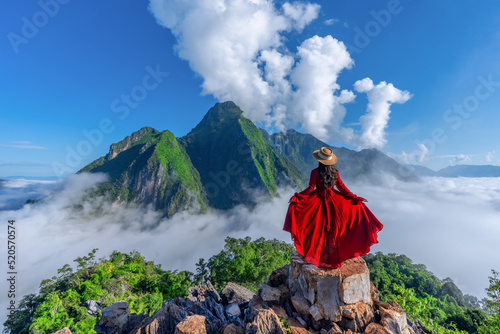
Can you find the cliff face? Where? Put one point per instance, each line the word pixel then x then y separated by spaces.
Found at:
pixel 151 167
pixel 297 298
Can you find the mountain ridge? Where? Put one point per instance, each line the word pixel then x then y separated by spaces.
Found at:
pixel 224 161
pixel 458 171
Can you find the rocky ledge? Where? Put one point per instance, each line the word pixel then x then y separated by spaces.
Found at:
pixel 299 298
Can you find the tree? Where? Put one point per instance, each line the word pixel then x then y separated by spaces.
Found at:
pixel 246 262
pixel 493 292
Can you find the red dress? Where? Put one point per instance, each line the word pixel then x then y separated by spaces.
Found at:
pixel 330 226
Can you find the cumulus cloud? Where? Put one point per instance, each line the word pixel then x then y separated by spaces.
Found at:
pixel 380 98
pixel 417 156
pixel 301 14
pixel 315 75
pixel 428 221
pixel 237 48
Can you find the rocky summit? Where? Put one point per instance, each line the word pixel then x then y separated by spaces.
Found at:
pixel 298 298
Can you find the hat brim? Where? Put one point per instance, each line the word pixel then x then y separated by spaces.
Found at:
pixel 332 161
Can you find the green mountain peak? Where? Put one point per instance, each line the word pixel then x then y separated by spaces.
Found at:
pixel 151 167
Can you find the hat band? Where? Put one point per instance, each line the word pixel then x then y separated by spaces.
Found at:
pixel 324 157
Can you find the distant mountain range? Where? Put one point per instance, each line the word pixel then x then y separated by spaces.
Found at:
pixel 226 160
pixel 457 171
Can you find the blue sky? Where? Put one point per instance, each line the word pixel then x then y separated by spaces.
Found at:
pixel 64 83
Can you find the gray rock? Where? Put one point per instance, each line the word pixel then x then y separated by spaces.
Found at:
pixel 418 327
pixel 278 277
pixel 92 307
pixel 314 312
pixel 269 294
pixel 234 293
pixel 300 304
pixel 115 315
pixel 233 311
pixel 328 298
pixel 306 289
pixel 201 292
pixel 262 320
pixel 356 288
pixel 394 319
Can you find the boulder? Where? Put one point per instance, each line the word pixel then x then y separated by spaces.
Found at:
pixel 375 328
pixel 394 319
pixel 278 277
pixel 164 321
pixel 65 330
pixel 262 320
pixel 418 327
pixel 204 300
pixel 331 294
pixel 203 291
pixel 268 293
pixel 233 329
pixel 335 329
pixel 234 293
pixel 299 330
pixel 115 316
pixel 280 312
pixel 233 311
pixel 193 324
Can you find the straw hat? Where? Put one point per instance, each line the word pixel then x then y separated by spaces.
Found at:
pixel 325 156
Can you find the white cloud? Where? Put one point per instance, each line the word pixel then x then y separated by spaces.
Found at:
pixel 490 156
pixel 418 156
pixel 459 159
pixel 301 13
pixel 24 145
pixel 436 213
pixel 314 104
pixel 380 98
pixel 237 49
pixel 330 22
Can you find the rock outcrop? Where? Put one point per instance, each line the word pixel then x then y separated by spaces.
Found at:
pixel 299 298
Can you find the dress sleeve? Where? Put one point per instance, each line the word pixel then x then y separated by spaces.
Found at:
pixel 343 189
pixel 312 183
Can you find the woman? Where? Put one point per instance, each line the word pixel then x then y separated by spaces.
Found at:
pixel 327 225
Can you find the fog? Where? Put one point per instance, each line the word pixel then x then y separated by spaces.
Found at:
pixel 450 225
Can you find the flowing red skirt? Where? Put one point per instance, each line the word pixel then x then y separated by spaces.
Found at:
pixel 327 229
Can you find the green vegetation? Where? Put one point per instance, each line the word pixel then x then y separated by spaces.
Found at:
pixel 61 301
pixel 493 304
pixel 438 304
pixel 157 164
pixel 244 262
pixel 232 155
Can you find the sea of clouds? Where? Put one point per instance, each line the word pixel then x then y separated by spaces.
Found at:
pixel 449 224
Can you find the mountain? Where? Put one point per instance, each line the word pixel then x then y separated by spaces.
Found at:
pixel 470 171
pixel 457 171
pixel 234 159
pixel 297 147
pixel 224 161
pixel 151 167
pixel 421 170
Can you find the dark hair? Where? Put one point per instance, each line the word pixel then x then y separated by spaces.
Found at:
pixel 327 174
